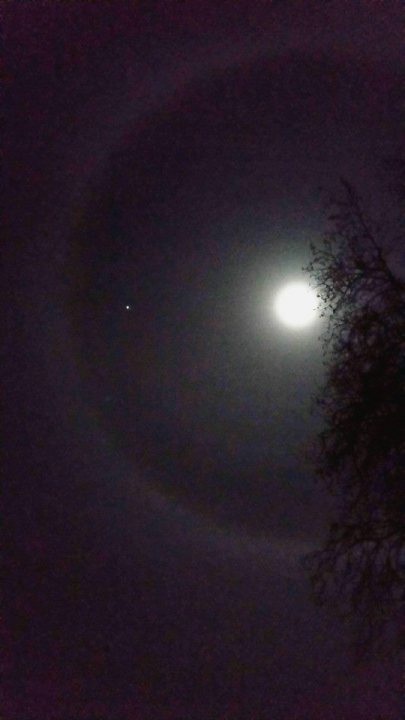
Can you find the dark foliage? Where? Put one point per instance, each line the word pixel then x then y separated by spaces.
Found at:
pixel 361 451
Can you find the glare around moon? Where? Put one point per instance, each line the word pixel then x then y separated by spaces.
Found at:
pixel 296 305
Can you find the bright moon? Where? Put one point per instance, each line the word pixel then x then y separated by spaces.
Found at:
pixel 296 305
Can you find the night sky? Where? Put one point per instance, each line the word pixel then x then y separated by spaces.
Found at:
pixel 164 171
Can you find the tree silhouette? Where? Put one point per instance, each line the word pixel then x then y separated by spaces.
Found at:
pixel 361 450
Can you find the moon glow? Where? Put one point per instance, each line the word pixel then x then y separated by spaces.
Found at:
pixel 295 305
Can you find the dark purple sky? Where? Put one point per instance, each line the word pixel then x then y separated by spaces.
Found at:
pixel 168 156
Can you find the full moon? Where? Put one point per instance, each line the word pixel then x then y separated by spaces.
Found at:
pixel 295 305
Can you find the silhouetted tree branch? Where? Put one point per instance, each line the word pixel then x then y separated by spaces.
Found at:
pixel 361 451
